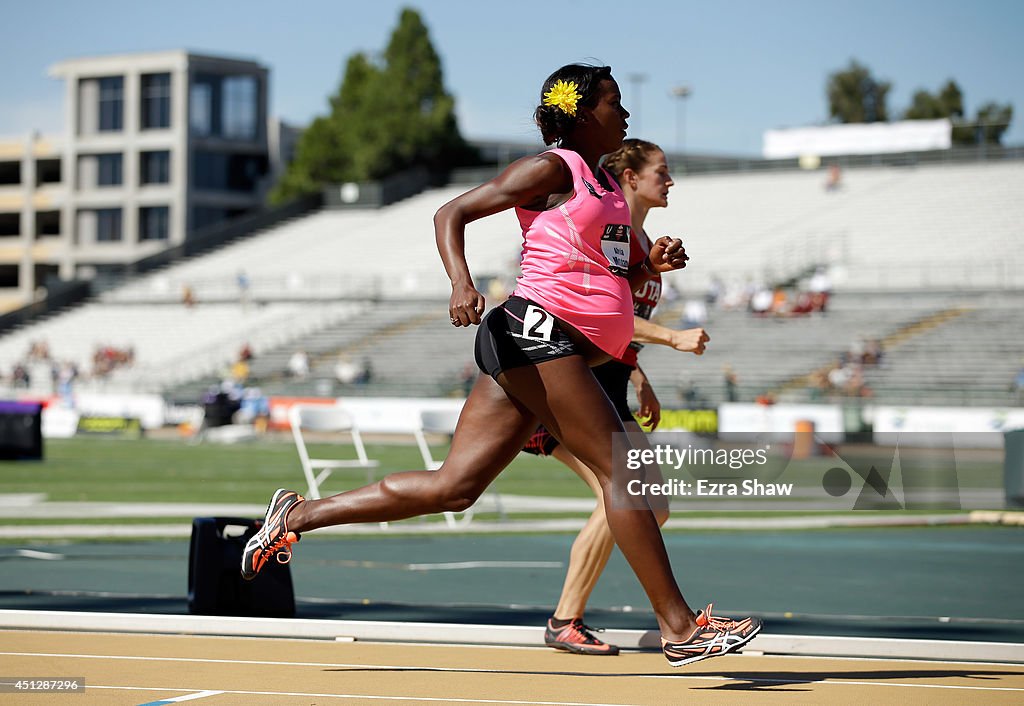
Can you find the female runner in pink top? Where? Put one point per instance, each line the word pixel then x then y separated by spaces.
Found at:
pixel 537 349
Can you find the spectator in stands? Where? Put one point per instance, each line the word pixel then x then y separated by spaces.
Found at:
pixel 240 371
pixel 873 352
pixel 642 171
pixel 731 384
pixel 220 404
pixel 345 370
pixel 834 180
pixel 64 376
pixel 695 314
pixel 365 376
pixel 779 299
pixel 20 378
pixel 690 396
pixel 716 290
pixel 298 364
pixel 735 297
pixel 818 385
pixel 857 350
pixel 820 287
pixel 1017 386
pixel 565 315
pixel 39 351
pixel 106 359
pixel 242 279
pixel 254 409
pixel 839 375
pixel 761 301
pixel 804 304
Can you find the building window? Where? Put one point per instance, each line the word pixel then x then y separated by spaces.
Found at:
pixel 10 224
pixel 240 107
pixel 216 171
pixel 154 222
pixel 201 114
pixel 108 224
pixel 10 173
pixel 108 170
pixel 111 103
pixel 156 101
pixel 48 171
pixel 47 223
pixel 155 167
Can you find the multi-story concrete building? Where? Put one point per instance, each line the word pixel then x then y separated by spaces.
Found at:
pixel 155 147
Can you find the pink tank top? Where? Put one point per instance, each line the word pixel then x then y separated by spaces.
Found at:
pixel 645 298
pixel 576 256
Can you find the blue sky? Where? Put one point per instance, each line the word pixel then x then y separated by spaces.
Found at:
pixel 751 65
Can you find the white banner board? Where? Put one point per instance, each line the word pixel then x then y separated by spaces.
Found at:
pixel 858 138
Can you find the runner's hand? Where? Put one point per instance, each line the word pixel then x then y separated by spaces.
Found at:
pixel 691 340
pixel 668 254
pixel 466 305
pixel 649 412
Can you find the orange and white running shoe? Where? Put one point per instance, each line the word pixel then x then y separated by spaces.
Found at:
pixel 577 637
pixel 712 637
pixel 272 539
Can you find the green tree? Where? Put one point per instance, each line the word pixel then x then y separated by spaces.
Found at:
pixel 855 96
pixel 386 116
pixel 989 124
pixel 992 121
pixel 949 103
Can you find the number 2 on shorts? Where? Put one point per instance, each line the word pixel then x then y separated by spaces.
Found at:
pixel 537 323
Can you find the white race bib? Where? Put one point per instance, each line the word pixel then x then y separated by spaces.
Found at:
pixel 537 323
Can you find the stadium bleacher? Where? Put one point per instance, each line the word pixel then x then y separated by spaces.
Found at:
pixel 901 243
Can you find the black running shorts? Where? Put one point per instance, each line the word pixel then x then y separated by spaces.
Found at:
pixel 518 333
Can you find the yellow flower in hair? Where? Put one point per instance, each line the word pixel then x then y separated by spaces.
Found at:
pixel 563 95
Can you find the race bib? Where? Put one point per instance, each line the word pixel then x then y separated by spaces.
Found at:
pixel 537 323
pixel 615 246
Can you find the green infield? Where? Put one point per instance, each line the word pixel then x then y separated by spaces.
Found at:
pixel 172 471
pixel 167 470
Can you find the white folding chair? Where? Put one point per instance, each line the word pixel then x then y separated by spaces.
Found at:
pixel 327 419
pixel 434 421
pixel 444 421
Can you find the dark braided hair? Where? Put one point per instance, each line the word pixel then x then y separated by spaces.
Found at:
pixel 553 122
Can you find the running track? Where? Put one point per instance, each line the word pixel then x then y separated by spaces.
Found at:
pixel 214 671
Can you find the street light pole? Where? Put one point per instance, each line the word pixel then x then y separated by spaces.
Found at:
pixel 681 93
pixel 635 81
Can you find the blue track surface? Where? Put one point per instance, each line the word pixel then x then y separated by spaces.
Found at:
pixel 879 582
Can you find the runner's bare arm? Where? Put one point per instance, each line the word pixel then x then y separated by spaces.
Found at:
pixel 691 340
pixel 530 183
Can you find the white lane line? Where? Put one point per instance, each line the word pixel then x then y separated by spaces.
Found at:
pixel 456 670
pixel 33 554
pixel 368 697
pixel 175 700
pixel 450 565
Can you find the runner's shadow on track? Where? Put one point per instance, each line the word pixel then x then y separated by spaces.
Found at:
pixel 776 679
pixel 517 672
pixel 770 681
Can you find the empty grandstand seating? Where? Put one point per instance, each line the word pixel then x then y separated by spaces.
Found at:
pixel 896 228
pixel 373 254
pixel 970 360
pixel 369 283
pixel 171 343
